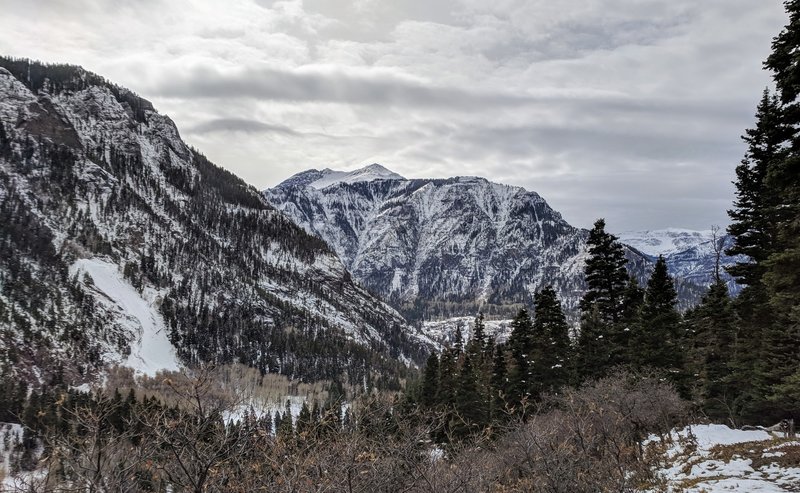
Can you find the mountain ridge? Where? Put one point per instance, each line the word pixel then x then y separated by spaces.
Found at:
pixel 89 170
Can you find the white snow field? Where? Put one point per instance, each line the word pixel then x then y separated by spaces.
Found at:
pixel 718 459
pixel 151 349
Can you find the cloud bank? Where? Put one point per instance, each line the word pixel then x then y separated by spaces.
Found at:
pixel 628 109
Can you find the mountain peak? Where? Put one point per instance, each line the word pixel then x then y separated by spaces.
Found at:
pixel 327 177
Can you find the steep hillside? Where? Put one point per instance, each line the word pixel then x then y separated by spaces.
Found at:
pixel 114 233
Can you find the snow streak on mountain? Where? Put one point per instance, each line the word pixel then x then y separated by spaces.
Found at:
pixel 116 238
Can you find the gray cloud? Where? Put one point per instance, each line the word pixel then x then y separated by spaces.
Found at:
pixel 337 87
pixel 628 109
pixel 239 125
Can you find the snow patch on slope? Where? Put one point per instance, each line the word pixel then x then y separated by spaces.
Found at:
pixel 151 349
pixel 443 332
pixel 368 173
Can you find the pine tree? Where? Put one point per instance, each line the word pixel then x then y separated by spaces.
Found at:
pixel 458 342
pixel 304 423
pixel 520 343
pixel 478 343
pixel 430 382
pixel 752 220
pixel 601 341
pixel 782 268
pixel 471 412
pixel 552 348
pixel 446 394
pixel 498 384
pixel 712 329
pixel 754 230
pixel 657 340
pixel 630 324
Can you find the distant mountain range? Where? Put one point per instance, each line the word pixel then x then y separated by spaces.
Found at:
pixel 690 254
pixel 441 248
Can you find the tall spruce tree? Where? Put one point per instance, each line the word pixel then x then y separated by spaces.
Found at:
pixel 752 221
pixel 657 339
pixel 630 324
pixel 600 343
pixel 498 385
pixel 754 230
pixel 782 268
pixel 712 331
pixel 520 343
pixel 552 347
pixel 446 394
pixel 430 382
pixel 470 404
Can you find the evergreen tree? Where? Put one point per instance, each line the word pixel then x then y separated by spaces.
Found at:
pixel 471 412
pixel 782 267
pixel 458 343
pixel 446 394
pixel 498 384
pixel 304 423
pixel 601 341
pixel 657 340
pixel 520 343
pixel 430 382
pixel 630 324
pixel 478 343
pixel 752 219
pixel 552 347
pixel 712 329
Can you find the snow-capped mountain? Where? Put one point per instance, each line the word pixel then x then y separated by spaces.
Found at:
pixel 327 177
pixel 440 248
pixel 690 254
pixel 119 243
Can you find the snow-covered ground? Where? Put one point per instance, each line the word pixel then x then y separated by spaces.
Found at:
pixel 151 349
pixel 718 459
pixel 10 436
pixel 443 331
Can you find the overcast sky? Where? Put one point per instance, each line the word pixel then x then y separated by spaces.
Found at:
pixel 627 109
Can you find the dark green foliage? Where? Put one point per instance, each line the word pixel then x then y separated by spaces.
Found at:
pixel 521 346
pixel 470 403
pixel 606 274
pixel 712 332
pixel 658 338
pixel 602 342
pixel 430 382
pixel 498 385
pixel 553 368
pixel 760 366
pixel 446 394
pixel 752 218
